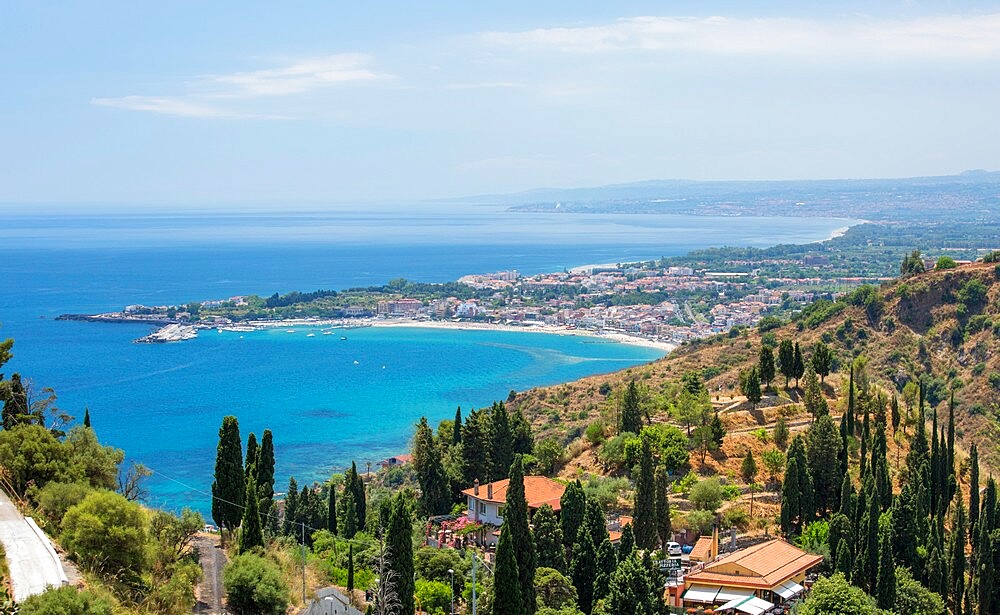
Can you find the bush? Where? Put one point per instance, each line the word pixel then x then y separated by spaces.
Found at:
pixel 434 596
pixel 107 534
pixel 707 494
pixel 612 452
pixel 684 485
pixel 992 257
pixel 700 520
pixel 66 600
pixel 669 445
pixel 553 589
pixel 945 262
pixel 995 380
pixel 254 585
pixel 731 492
pixel 736 517
pixel 55 498
pixel 835 596
pixel 31 454
pixel 595 433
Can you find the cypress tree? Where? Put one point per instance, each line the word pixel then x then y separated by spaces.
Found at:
pixel 935 573
pixel 956 564
pixel 456 428
pixel 583 570
pixel 850 403
pixel 644 514
pixel 548 539
pixel 904 529
pixel 250 462
pixel 331 510
pixel 350 568
pixel 866 560
pixel 885 582
pixel 607 561
pixel 626 545
pixel 973 488
pixel 786 360
pixel 781 433
pixel 840 531
pixel 357 486
pixel 229 487
pixel 894 413
pixel 984 572
pixel 573 506
pixel 750 387
pixel 594 520
pixel 251 533
pixel 398 536
pixel 988 508
pixel 265 472
pixel 631 415
pixel 630 590
pixel 814 401
pixel 435 495
pixel 718 430
pixel 846 497
pixel 349 511
pixel 501 441
pixel 476 447
pixel 86 417
pixel 506 585
pixel 790 498
pixel 291 508
pixel 663 529
pixel 822 360
pixel 798 365
pixel 520 429
pixel 824 445
pixel 765 365
pixel 515 522
pixel 844 563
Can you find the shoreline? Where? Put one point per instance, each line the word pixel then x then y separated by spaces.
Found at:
pixel 402 323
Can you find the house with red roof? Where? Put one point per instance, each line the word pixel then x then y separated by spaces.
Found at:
pixel 484 501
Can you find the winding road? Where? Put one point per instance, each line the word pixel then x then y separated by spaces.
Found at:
pixel 33 562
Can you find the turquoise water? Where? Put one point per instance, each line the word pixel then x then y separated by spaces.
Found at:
pixel 163 403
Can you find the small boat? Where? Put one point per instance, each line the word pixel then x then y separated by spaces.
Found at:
pixel 383 367
pixel 290 331
pixel 311 335
pixel 356 363
pixel 328 333
pixel 343 337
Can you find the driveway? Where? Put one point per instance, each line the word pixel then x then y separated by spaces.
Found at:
pixel 33 562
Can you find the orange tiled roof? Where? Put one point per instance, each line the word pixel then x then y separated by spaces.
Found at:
pixel 768 565
pixel 538 491
pixel 702 548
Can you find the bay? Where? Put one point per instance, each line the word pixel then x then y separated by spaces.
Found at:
pixel 163 403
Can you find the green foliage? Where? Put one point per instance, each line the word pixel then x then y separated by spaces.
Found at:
pixel 251 532
pixel 91 462
pixel 824 449
pixel 55 498
pixel 748 469
pixel 66 600
pixel 700 520
pixel 707 494
pixel 547 451
pixel 663 529
pixel 644 511
pixel 229 486
pixel 750 386
pixel 781 432
pixel 595 432
pixel 774 461
pixel 668 445
pixel 554 590
pixel 435 493
pixel 434 596
pixel 32 455
pixel 632 590
pixel 583 569
pixel 107 534
pixel 945 262
pixel 573 506
pixel 548 537
pixel 506 583
pixel 912 264
pixel 254 586
pixel 515 524
pixel 913 598
pixel 631 413
pixel 400 548
pixel 835 596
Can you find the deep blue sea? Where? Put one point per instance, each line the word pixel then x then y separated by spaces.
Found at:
pixel 163 404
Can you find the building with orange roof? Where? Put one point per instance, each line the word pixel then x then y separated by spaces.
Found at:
pixel 485 500
pixel 771 571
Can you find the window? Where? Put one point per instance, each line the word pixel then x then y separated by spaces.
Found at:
pixel 482 508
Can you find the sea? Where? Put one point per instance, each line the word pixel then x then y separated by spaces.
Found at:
pixel 328 401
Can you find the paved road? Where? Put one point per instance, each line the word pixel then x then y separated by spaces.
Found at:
pixel 33 562
pixel 213 560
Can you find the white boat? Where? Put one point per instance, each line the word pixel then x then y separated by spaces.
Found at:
pixel 356 363
pixel 328 333
pixel 290 331
pixel 311 335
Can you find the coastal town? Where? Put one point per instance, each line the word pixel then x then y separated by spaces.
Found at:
pixel 650 302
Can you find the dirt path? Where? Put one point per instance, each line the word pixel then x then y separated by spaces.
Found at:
pixel 213 560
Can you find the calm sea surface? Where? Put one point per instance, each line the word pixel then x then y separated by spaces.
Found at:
pixel 163 403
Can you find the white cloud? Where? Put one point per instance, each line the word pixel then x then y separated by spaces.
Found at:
pixel 950 37
pixel 300 76
pixel 486 85
pixel 168 106
pixel 297 78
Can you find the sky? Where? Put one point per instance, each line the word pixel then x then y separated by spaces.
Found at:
pixel 228 102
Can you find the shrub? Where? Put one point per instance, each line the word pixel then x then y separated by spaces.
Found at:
pixel 700 520
pixel 731 491
pixel 945 262
pixel 66 600
pixel 992 257
pixel 761 434
pixel 54 499
pixel 736 517
pixel 995 380
pixel 595 432
pixel 107 534
pixel 707 494
pixel 684 485
pixel 434 596
pixel 669 445
pixel 254 585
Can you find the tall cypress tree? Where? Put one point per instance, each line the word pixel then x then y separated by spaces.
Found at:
pixel 398 536
pixel 456 428
pixel 867 557
pixel 515 522
pixel 583 570
pixel 251 533
pixel 626 545
pixel 904 526
pixel 607 561
pixel 885 582
pixel 631 415
pixel 350 568
pixel 507 597
pixel 250 461
pixel 291 508
pixel 824 445
pixel 229 487
pixel 331 510
pixel 476 444
pixel 850 403
pixel 765 365
pixel 349 514
pixel 791 503
pixel 663 529
pixel 595 522
pixel 501 441
pixel 798 364
pixel 356 484
pixel 951 481
pixel 786 360
pixel 435 494
pixel 86 417
pixel 956 563
pixel 573 506
pixel 984 573
pixel 265 473
pixel 644 514
pixel 548 539
pixel 844 563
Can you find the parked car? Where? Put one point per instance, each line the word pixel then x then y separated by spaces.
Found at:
pixel 673 549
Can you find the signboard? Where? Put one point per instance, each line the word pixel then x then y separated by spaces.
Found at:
pixel 670 564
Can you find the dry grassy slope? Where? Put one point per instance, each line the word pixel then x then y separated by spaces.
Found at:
pixel 921 308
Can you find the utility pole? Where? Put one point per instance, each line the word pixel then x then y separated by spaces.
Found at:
pixel 472 555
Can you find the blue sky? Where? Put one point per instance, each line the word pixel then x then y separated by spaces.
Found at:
pixel 216 102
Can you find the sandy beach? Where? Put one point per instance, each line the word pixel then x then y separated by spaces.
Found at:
pixel 612 337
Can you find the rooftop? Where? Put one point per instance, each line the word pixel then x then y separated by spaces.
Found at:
pixel 762 566
pixel 538 490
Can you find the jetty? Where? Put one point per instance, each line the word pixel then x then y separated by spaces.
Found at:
pixel 170 333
